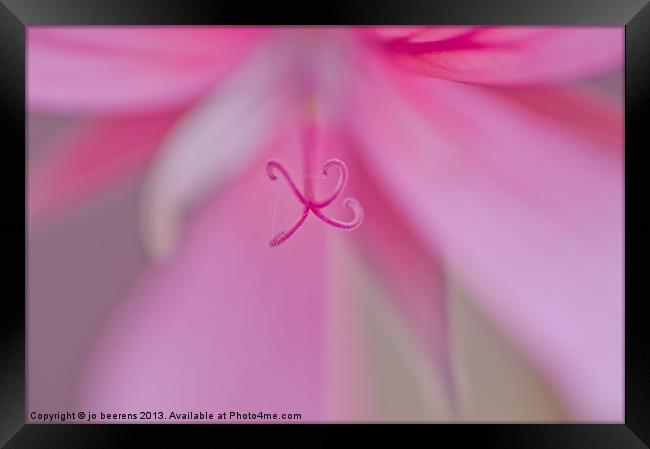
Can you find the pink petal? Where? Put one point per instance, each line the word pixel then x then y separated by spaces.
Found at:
pixel 109 69
pixel 529 216
pixel 92 157
pixel 510 55
pixel 411 271
pixel 212 144
pixel 405 269
pixel 408 34
pixel 594 117
pixel 228 324
pixel 349 367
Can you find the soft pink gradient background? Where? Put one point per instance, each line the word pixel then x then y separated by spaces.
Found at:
pixel 488 161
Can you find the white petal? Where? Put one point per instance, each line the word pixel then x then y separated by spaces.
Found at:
pixel 212 143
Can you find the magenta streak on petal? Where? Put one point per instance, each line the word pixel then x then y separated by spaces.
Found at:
pixel 315 206
pixel 310 151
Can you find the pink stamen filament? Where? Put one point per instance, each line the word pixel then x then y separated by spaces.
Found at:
pixel 270 165
pixel 343 180
pixel 316 206
pixel 351 225
pixel 281 237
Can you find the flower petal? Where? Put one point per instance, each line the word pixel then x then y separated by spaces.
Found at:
pixel 410 34
pixel 91 157
pixel 594 115
pixel 214 142
pixel 411 270
pixel 529 216
pixel 115 69
pixel 227 324
pixel 510 55
pixel 384 370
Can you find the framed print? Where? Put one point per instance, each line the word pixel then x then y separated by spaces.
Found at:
pixel 382 214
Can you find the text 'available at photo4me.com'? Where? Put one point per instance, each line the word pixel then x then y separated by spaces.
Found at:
pixel 171 416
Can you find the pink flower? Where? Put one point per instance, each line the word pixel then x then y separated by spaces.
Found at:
pixel 465 154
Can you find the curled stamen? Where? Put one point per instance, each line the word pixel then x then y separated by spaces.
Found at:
pixel 343 179
pixel 351 225
pixel 284 235
pixel 316 206
pixel 270 165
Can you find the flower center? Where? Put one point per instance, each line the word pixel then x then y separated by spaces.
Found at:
pixel 306 198
pixel 311 205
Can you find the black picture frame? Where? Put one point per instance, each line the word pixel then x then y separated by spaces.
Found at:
pixel 16 15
